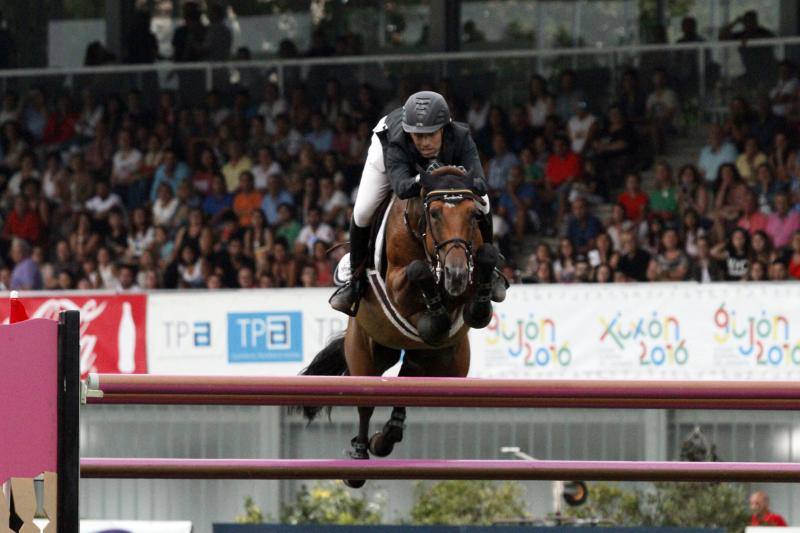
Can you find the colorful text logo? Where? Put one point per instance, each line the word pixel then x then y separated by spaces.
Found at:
pixel 535 341
pixel 763 337
pixel 658 340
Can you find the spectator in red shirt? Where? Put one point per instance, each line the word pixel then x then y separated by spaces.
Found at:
pixel 762 516
pixel 23 222
pixel 633 198
pixel 60 127
pixel 563 168
pixel 752 218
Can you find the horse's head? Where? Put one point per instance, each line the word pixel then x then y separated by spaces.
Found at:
pixel 451 217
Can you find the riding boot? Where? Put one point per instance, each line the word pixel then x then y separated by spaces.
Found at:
pixel 347 298
pixel 499 281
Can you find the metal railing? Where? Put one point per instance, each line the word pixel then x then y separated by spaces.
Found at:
pixel 384 70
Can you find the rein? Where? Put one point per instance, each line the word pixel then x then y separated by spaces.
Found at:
pixel 449 196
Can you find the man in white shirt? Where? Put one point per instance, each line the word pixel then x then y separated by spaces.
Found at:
pixel 315 230
pixel 581 127
pixel 265 168
pixel 103 201
pixel 785 91
pixel 271 106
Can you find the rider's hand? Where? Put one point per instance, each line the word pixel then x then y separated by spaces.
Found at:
pixel 479 187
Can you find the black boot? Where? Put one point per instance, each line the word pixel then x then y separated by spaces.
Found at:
pixel 499 281
pixel 347 298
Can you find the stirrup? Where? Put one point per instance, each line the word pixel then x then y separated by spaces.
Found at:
pixel 353 299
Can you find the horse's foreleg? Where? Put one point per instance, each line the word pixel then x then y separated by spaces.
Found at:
pixel 478 312
pixel 434 324
pixel 360 362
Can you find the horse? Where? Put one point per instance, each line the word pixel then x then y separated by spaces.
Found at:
pixel 436 285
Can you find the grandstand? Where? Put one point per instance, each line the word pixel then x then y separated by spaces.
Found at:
pixel 182 149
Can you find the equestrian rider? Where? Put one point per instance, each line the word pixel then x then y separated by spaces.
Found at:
pixel 419 135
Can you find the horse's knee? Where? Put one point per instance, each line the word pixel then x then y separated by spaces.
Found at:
pixel 486 259
pixel 478 314
pixel 434 328
pixel 419 273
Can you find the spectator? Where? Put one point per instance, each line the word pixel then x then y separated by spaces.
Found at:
pixel 141 236
pixel 237 163
pixel 333 202
pixel 735 253
pixel 171 173
pixel 219 202
pixel 692 230
pixel 563 168
pixel 633 199
pixel 23 222
pixel 126 279
pixel 320 136
pixel 759 62
pixel 141 44
pixel 705 268
pixel 614 148
pixel 785 91
pixel 35 114
pixel 664 198
pixel 247 199
pixel 632 101
pixel 218 37
pixel 633 261
pixel 165 206
pixel 693 193
pixel 103 201
pixel 127 162
pixel 715 154
pixel 568 95
pixel 14 145
pixel 275 196
pixel 540 103
pixel 765 124
pixel 517 202
pixel 520 131
pixel 762 515
pixel 189 40
pixel 60 127
pixel 25 276
pixel 757 272
pixel 500 165
pixel 671 263
pixel 782 224
pixel 564 266
pixel 265 168
pixel 752 219
pixel 761 248
pixel 582 227
pixel 749 160
pixel 779 270
pixel 314 230
pixel 662 109
pixel 582 128
pixel 27 170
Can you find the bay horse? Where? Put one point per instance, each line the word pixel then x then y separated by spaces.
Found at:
pixel 435 285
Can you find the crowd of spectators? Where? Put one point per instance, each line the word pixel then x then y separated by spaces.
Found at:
pixel 250 188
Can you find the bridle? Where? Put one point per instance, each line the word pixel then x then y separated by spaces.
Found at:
pixel 425 227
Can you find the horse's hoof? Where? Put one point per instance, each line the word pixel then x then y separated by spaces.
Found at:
pixel 355 483
pixel 382 443
pixel 477 315
pixel 434 329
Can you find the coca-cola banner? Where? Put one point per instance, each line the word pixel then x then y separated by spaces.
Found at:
pixel 113 338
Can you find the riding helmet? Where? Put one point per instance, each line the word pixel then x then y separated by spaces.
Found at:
pixel 425 112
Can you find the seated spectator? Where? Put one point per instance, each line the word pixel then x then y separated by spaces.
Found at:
pixel 204 171
pixel 540 103
pixel 284 268
pixel 783 95
pixel 165 206
pixel 735 253
pixel 633 261
pixel 664 198
pixel 779 270
pixel 99 153
pixel 247 199
pixel 314 230
pixel 671 263
pixel 517 203
pixel 633 199
pixel 693 193
pixel 568 95
pixel 237 163
pixel 126 279
pixel 662 109
pixel 757 272
pixel 103 201
pixel 265 167
pixel 692 230
pixel 614 148
pixel 520 132
pixel 761 248
pixel 274 196
pixel 783 223
pixel 794 256
pixel 171 172
pixel 287 226
pixel 27 170
pixel 749 160
pixel 765 124
pixel 218 202
pixel 323 266
pixel 26 275
pixel 14 145
pixel 564 265
pixel 60 127
pixel 287 141
pixel 126 164
pixel 582 227
pixel 115 238
pixel 632 101
pixel 23 222
pixel 53 182
pixel 705 268
pixel 737 121
pixel 192 269
pixel 142 234
pixel 333 202
pixel 752 220
pixel 499 168
pixel 563 168
pixel 582 128
pixel 320 136
pixel 716 153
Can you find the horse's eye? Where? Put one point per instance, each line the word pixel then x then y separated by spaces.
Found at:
pixel 436 215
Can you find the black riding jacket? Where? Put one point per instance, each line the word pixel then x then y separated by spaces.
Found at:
pixel 404 162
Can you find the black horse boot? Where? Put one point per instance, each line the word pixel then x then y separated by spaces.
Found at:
pixel 499 281
pixel 347 298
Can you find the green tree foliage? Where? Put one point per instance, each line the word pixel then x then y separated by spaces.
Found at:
pixel 668 505
pixel 252 513
pixel 467 503
pixel 331 503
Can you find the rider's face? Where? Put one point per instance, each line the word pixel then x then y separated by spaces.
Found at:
pixel 428 144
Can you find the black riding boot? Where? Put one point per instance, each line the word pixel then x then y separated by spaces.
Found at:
pixel 499 281
pixel 347 298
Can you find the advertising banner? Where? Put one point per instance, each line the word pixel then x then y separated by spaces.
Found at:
pixel 254 332
pixel 112 327
pixel 643 331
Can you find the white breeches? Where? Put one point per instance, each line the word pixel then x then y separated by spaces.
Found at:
pixel 375 187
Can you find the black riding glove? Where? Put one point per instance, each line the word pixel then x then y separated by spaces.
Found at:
pixel 409 189
pixel 479 187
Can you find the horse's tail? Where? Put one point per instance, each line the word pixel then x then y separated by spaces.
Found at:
pixel 329 361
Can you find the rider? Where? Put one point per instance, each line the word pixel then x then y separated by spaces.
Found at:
pixel 419 135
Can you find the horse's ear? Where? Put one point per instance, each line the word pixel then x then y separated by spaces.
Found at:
pixel 449 170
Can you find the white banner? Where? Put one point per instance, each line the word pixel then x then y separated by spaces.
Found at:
pixel 623 331
pixel 134 526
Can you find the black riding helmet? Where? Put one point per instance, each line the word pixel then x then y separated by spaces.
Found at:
pixel 425 112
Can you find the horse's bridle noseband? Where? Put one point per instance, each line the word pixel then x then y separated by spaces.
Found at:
pixel 449 196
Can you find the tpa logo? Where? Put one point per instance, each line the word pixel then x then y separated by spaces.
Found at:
pixel 265 337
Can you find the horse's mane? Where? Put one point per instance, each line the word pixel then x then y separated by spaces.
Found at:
pixel 448 177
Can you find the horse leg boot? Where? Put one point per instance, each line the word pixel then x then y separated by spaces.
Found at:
pixel 499 281
pixel 347 298
pixel 434 325
pixel 382 443
pixel 478 312
pixel 360 444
